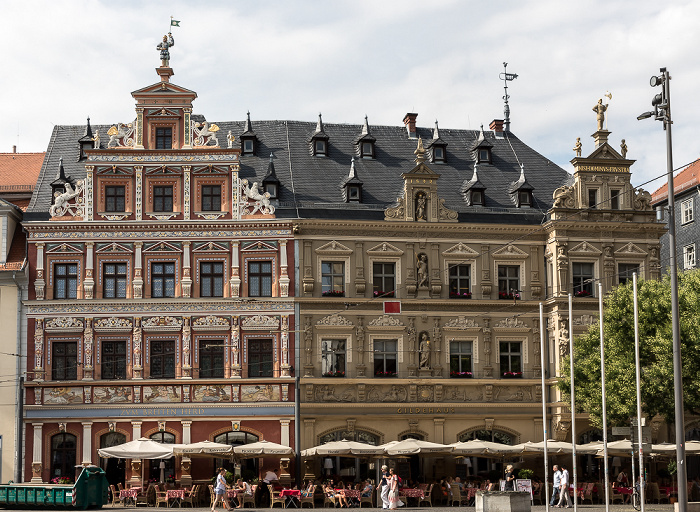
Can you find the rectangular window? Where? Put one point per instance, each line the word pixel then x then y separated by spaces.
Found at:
pixel 247 146
pixel 113 359
pixel 625 271
pixel 385 358
pixel 64 357
pixel 525 198
pixel 460 359
pixel 384 279
pixel 260 279
pixel 162 280
pixel 163 198
pixel 460 281
pixel 162 359
pixel 114 279
pixel 367 150
pixel 484 155
pixel 477 198
pixel 211 198
pixel 333 278
pixel 438 154
pixel 510 359
pixel 114 198
pixel 614 199
pixel 509 281
pixel 164 138
pixel 687 211
pixel 211 359
pixel 582 274
pixel 65 281
pixel 333 358
pixel 260 362
pixel 320 147
pixel 211 277
pixel 592 198
pixel 689 256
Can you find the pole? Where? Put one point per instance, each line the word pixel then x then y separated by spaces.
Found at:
pixel 675 322
pixel 605 414
pixel 573 401
pixel 544 410
pixel 639 393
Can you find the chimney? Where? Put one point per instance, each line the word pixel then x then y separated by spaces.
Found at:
pixel 410 121
pixel 496 125
pixel 14 149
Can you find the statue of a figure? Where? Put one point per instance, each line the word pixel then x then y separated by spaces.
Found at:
pixel 577 146
pixel 422 270
pixel 96 140
pixel 623 148
pixel 164 48
pixel 600 109
pixel 420 207
pixel 229 139
pixel 424 349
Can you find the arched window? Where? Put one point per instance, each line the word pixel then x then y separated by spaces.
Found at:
pixel 412 435
pixel 495 436
pixel 63 455
pixel 360 436
pixel 115 469
pixel 249 467
pixel 591 466
pixel 169 469
pixel 348 467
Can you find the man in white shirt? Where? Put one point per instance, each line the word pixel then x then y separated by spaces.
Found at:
pixel 564 488
pixel 555 485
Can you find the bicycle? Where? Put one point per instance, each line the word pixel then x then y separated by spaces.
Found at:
pixel 636 499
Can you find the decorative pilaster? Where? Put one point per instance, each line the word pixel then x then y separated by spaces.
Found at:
pixel 186 351
pixel 437 336
pixel 89 193
pixel 435 281
pixel 136 338
pixel 88 342
pixel 235 347
pixel 284 278
pixel 186 271
pixel 285 366
pixel 360 282
pixel 188 128
pixel 488 369
pixel 87 443
pixel 37 448
pixel 360 367
pixel 411 283
pixel 186 464
pixel 562 263
pixel 187 170
pixel 39 283
pixel 136 463
pixel 39 349
pixel 138 272
pixel 308 347
pixel 89 282
pixel 235 281
pixel 413 353
pixel 235 193
pixel 139 192
pixel 284 432
pixel 308 279
pixel 139 128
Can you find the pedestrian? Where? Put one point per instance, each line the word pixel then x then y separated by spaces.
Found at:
pixel 564 488
pixel 220 490
pixel 384 486
pixel 555 486
pixel 510 478
pixel 394 500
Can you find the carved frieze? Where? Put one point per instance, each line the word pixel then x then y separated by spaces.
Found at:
pixel 334 320
pixel 211 323
pixel 260 322
pixel 386 321
pixel 462 323
pixel 113 324
pixel 64 324
pixel 162 323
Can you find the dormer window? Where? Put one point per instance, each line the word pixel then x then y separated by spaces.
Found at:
pixel 477 197
pixel 484 156
pixel 164 138
pixel 438 154
pixel 248 138
pixel 271 188
pixel 270 183
pixel 354 193
pixel 320 148
pixel 84 145
pixel 367 150
pixel 248 146
pixel 524 198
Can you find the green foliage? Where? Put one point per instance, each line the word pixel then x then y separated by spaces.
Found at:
pixel 525 474
pixel 656 353
pixel 672 468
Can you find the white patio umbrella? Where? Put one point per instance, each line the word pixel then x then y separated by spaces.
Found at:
pixel 261 449
pixel 142 448
pixel 416 446
pixel 691 448
pixel 589 448
pixel 203 449
pixel 619 448
pixel 538 448
pixel 343 448
pixel 479 448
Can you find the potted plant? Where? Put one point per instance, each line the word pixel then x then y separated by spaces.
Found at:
pixel 582 293
pixel 460 295
pixel 385 374
pixel 525 474
pixel 333 293
pixel 461 375
pixel 334 374
pixel 508 295
pixel 379 293
pixel 512 375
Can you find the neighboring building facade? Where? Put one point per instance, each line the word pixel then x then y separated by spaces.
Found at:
pixel 160 302
pixel 687 191
pixel 18 175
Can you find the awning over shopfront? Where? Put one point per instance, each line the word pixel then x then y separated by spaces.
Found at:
pixel 142 448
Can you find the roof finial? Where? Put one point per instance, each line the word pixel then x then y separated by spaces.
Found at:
pixel 420 152
pixel 475 178
pixel 365 127
pixel 88 128
pixel 61 172
pixel 319 124
pixel 506 77
pixel 436 132
pixel 352 168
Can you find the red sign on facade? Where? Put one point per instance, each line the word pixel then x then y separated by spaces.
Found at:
pixel 392 307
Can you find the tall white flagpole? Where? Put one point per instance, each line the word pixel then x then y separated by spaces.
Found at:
pixel 544 410
pixel 605 414
pixel 573 401
pixel 639 393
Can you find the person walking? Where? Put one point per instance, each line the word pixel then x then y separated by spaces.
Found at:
pixel 394 500
pixel 220 490
pixel 564 488
pixel 510 478
pixel 384 486
pixel 555 486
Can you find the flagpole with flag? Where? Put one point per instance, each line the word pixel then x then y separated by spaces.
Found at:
pixel 174 23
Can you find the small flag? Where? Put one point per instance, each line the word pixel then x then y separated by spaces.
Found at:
pixel 174 23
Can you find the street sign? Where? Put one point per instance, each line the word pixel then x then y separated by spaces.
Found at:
pixel 646 434
pixel 621 431
pixel 634 421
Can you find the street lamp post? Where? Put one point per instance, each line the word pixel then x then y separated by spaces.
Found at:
pixel 662 112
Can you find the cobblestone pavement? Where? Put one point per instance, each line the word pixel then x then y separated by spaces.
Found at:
pixel 537 508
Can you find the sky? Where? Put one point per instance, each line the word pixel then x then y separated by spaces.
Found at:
pixel 63 61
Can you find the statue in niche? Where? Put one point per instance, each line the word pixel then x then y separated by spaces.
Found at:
pixel 600 109
pixel 164 49
pixel 422 270
pixel 420 207
pixel 424 350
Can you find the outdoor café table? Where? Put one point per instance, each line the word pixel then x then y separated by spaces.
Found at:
pixel 129 495
pixel 412 493
pixel 291 497
pixel 176 495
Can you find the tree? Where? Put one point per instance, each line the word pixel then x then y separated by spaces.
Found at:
pixel 656 353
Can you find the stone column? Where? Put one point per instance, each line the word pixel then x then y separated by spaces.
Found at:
pixel 188 129
pixel 139 128
pixel 187 170
pixel 285 366
pixel 139 192
pixel 39 349
pixel 88 343
pixel 135 463
pixel 284 278
pixel 309 424
pixel 186 464
pixel 360 367
pixel 235 281
pixel 37 448
pixel 308 275
pixel 138 272
pixel 89 282
pixel 39 283
pixel 89 192
pixel 136 339
pixel 186 348
pixel 235 347
pixel 87 443
pixel 186 271
pixel 360 282
pixel 284 432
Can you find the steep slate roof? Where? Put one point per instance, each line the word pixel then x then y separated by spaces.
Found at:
pixel 316 181
pixel 687 178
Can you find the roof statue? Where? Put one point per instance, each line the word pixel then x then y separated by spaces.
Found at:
pixel 623 148
pixel 600 109
pixel 578 146
pixel 164 48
